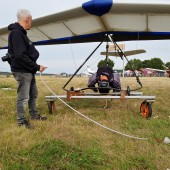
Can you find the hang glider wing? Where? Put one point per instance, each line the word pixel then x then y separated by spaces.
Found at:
pixel 127 53
pixel 124 19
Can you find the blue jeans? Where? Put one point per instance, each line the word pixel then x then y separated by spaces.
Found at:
pixel 27 93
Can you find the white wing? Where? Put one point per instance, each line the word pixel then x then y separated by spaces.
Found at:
pixel 124 19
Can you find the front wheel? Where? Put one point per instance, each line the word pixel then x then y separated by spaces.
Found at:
pixel 51 107
pixel 146 110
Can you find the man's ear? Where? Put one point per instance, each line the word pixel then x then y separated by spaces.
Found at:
pixel 27 20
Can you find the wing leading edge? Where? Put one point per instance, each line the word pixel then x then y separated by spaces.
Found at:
pixel 124 19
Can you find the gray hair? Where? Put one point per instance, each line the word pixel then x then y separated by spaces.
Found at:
pixel 22 14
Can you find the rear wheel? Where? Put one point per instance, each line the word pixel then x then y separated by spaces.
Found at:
pixel 51 107
pixel 146 109
pixel 128 90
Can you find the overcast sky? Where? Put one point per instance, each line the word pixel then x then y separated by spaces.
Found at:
pixel 67 58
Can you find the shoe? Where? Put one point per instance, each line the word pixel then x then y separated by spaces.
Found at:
pixel 26 123
pixel 38 117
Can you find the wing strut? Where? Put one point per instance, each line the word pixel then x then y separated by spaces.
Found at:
pixel 83 63
pixel 123 54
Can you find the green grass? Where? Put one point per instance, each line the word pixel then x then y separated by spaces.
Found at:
pixel 4 85
pixel 54 154
pixel 67 141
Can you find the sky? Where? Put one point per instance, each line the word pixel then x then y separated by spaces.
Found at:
pixel 67 58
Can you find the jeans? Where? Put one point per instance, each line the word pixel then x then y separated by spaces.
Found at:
pixel 27 93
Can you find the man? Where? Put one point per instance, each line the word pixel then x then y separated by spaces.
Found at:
pixel 106 79
pixel 23 66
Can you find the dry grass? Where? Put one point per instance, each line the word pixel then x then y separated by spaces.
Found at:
pixel 104 149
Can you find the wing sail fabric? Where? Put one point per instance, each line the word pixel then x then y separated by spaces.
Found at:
pixel 124 19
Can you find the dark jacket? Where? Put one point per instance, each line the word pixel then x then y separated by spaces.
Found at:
pixel 113 78
pixel 24 54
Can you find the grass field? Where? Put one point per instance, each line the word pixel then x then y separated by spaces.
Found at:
pixel 66 141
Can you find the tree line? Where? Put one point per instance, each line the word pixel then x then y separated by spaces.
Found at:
pixel 155 63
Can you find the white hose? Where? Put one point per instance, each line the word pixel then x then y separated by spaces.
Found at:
pixel 129 136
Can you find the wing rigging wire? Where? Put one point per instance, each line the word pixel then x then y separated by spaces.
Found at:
pixel 92 63
pixel 72 54
pixel 82 65
pixel 137 40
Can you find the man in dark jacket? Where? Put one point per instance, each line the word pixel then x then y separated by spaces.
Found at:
pixel 23 66
pixel 106 78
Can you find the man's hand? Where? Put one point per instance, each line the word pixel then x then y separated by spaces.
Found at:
pixel 42 68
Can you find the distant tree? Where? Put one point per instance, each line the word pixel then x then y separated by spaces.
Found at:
pixel 167 64
pixel 157 63
pixel 128 67
pixel 135 63
pixel 104 63
pixel 146 64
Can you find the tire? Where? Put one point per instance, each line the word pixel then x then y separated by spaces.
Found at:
pixel 146 110
pixel 51 107
pixel 128 90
